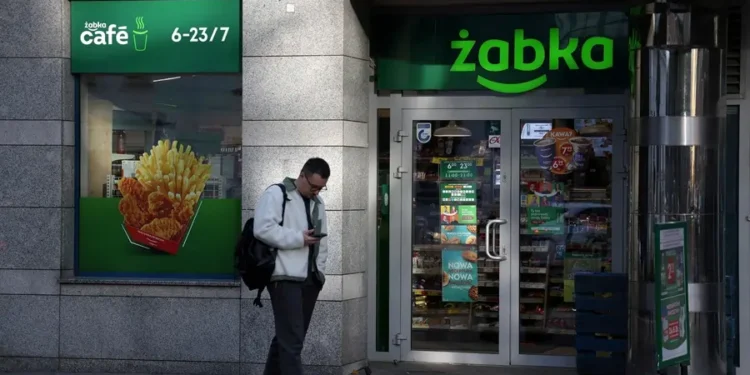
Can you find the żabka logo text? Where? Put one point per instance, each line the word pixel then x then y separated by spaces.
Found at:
pixel 494 55
pixel 102 34
pixel 93 26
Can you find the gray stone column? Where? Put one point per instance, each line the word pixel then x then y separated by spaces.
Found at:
pixel 36 179
pixel 305 79
pixel 676 150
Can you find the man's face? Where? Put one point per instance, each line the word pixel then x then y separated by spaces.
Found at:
pixel 311 184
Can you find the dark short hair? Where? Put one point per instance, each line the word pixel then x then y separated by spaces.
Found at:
pixel 316 166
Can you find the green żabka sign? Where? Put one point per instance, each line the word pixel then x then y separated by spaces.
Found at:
pixel 165 36
pixel 508 54
pixel 671 298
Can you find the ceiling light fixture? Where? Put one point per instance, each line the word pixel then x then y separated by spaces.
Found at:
pixel 166 79
pixel 452 130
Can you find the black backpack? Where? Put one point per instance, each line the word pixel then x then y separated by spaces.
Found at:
pixel 254 259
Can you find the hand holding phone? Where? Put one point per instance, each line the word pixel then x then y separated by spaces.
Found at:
pixel 317 233
pixel 309 237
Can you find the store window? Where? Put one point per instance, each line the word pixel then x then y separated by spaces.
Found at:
pixel 566 212
pixel 456 192
pixel 160 175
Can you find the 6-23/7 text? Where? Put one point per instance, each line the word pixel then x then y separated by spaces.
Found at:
pixel 201 34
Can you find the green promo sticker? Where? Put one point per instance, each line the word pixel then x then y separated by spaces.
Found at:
pixel 548 220
pixel 458 214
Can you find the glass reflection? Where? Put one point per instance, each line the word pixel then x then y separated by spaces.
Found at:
pixel 565 207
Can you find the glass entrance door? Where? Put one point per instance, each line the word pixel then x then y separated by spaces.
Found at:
pixel 455 203
pixel 568 195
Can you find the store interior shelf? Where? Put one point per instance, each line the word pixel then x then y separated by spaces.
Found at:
pixel 564 226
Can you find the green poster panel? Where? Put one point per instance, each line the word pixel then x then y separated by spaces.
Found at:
pixel 458 234
pixel 457 193
pixel 165 36
pixel 460 275
pixel 671 297
pixel 458 170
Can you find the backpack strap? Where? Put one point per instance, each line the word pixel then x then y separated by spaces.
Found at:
pixel 257 302
pixel 283 202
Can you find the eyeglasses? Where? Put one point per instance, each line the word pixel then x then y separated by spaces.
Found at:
pixel 314 187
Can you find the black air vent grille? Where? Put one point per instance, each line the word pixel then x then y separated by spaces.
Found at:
pixel 734 51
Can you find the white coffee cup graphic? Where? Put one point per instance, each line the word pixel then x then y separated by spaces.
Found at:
pixel 581 144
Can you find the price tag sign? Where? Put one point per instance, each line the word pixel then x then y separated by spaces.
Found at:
pixel 458 170
pixel 559 156
pixel 493 141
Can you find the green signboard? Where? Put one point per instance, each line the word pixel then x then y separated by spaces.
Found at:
pixel 671 312
pixel 164 36
pixel 458 193
pixel 458 170
pixel 508 54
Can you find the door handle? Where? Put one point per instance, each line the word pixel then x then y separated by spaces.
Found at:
pixel 487 235
pixel 490 247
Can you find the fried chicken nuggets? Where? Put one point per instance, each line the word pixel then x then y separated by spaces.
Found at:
pixel 168 182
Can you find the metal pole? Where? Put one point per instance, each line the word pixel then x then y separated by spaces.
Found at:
pixel 676 140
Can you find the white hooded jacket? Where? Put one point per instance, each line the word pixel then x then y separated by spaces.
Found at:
pixel 292 255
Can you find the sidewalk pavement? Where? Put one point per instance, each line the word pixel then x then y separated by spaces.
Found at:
pixel 403 368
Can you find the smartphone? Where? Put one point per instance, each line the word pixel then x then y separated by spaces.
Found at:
pixel 316 232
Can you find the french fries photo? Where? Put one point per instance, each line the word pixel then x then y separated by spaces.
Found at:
pixel 160 202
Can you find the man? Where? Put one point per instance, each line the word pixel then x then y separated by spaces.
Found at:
pixel 300 261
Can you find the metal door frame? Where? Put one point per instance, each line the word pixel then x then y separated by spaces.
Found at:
pixel 619 210
pixel 502 357
pixel 396 103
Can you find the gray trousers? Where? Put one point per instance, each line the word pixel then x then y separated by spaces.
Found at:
pixel 293 304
